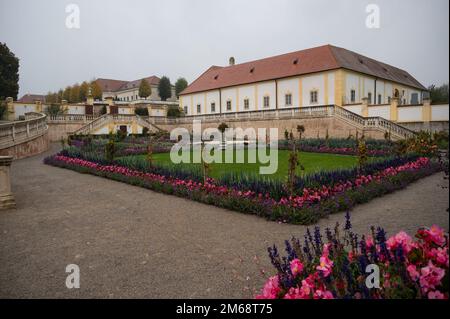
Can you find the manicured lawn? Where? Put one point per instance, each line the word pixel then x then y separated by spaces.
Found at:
pixel 312 162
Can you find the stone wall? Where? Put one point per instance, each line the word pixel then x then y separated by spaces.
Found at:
pixel 29 148
pixel 427 126
pixel 56 131
pixel 314 127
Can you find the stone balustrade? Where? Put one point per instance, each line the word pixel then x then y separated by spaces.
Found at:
pixel 6 197
pixel 18 132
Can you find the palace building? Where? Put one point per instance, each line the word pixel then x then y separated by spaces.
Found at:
pixel 128 91
pixel 325 75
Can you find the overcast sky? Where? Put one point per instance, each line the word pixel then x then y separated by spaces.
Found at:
pixel 131 39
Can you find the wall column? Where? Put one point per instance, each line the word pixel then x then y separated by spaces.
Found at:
pixel 10 111
pixel 394 109
pixel 6 197
pixel 426 110
pixel 365 107
pixel 64 106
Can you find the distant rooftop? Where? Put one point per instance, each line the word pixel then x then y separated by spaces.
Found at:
pixel 32 98
pixel 110 85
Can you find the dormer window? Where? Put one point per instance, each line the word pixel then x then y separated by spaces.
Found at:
pixel 216 77
pixel 295 61
pixel 252 70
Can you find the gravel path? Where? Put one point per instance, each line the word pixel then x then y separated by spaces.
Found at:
pixel 130 242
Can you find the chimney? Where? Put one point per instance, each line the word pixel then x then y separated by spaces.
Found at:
pixel 231 61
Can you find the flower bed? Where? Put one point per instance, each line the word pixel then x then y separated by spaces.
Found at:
pixel 336 267
pixel 307 207
pixel 375 148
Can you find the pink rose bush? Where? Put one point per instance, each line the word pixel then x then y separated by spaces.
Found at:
pixel 334 266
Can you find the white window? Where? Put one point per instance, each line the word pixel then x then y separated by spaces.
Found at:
pixel 246 104
pixel 199 108
pixel 379 98
pixel 352 96
pixel 369 97
pixel 228 105
pixel 185 110
pixel 266 101
pixel 313 96
pixel 213 107
pixel 414 98
pixel 288 99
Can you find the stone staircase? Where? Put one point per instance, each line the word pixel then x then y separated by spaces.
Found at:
pixel 106 119
pixel 395 130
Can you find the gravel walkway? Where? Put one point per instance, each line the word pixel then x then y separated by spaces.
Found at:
pixel 130 242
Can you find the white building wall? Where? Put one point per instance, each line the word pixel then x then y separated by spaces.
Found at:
pixel 388 93
pixel 288 86
pixel 331 76
pixel 266 89
pixel 439 112
pixel 352 82
pixel 383 111
pixel 410 114
pixel 76 109
pixel 247 92
pixel 229 94
pixel 310 83
pixel 212 97
pixel 198 99
pixel 21 109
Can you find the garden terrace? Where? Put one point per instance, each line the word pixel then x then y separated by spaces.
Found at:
pixel 312 196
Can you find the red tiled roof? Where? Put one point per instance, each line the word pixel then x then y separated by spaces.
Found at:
pixel 312 60
pixel 31 98
pixel 109 85
pixel 152 80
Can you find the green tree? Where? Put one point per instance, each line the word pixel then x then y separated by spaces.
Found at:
pixel 173 111
pixel 144 89
pixel 180 85
pixel 54 109
pixel 9 73
pixel 142 111
pixel 439 94
pixel 2 109
pixel 164 88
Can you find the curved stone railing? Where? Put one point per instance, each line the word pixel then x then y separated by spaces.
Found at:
pixel 18 132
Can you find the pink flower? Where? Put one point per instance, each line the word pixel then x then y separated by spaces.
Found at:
pixel 436 295
pixel 325 265
pixel 437 235
pixel 401 239
pixel 320 294
pixel 413 273
pixel 430 277
pixel 271 289
pixel 296 267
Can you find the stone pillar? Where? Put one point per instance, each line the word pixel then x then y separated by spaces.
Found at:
pixel 365 107
pixel 64 106
pixel 90 100
pixel 394 109
pixel 10 111
pixel 109 100
pixel 426 110
pixel 6 197
pixel 38 106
